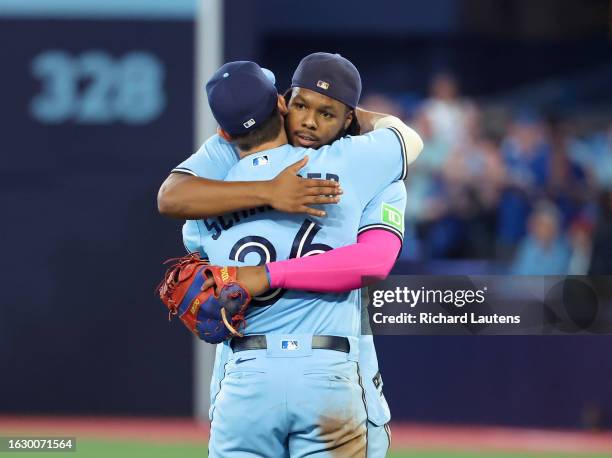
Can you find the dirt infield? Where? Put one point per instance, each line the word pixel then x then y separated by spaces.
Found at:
pixel 404 436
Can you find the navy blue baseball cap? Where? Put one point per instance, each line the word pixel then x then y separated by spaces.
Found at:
pixel 241 95
pixel 331 75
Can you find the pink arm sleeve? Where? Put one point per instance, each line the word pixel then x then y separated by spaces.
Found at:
pixel 339 270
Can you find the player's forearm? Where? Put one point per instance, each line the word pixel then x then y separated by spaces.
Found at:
pixel 342 269
pixel 367 119
pixel 188 197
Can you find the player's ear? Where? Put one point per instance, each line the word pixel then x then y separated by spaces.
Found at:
pixel 282 105
pixel 223 134
pixel 349 119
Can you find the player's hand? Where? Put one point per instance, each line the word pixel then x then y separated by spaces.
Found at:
pixel 289 193
pixel 367 119
pixel 252 278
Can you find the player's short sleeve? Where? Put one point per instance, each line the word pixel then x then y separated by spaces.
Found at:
pixel 386 211
pixel 213 160
pixel 371 162
pixel 191 238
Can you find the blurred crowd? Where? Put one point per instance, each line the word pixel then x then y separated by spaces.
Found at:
pixel 530 190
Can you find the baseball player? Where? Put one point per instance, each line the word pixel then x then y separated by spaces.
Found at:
pixel 376 217
pixel 217 232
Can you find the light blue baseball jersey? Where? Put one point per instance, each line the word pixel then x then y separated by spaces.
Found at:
pixel 213 161
pixel 364 165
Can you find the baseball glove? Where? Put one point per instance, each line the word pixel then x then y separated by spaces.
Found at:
pixel 213 311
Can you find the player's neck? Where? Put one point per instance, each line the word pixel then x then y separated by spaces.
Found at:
pixel 280 140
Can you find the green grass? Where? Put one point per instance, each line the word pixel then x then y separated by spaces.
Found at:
pixel 89 448
pixel 133 449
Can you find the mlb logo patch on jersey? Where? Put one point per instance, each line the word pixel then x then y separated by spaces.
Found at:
pixel 323 84
pixel 289 344
pixel 260 160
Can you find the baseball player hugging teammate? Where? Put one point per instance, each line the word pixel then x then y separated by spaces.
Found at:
pixel 302 378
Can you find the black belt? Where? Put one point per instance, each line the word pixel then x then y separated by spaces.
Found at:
pixel 258 342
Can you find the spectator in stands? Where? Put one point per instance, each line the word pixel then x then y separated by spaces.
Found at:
pixel 474 175
pixel 580 233
pixel 429 202
pixel 447 112
pixel 526 153
pixel 594 154
pixel 566 184
pixel 601 260
pixel 544 251
pixel 426 199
